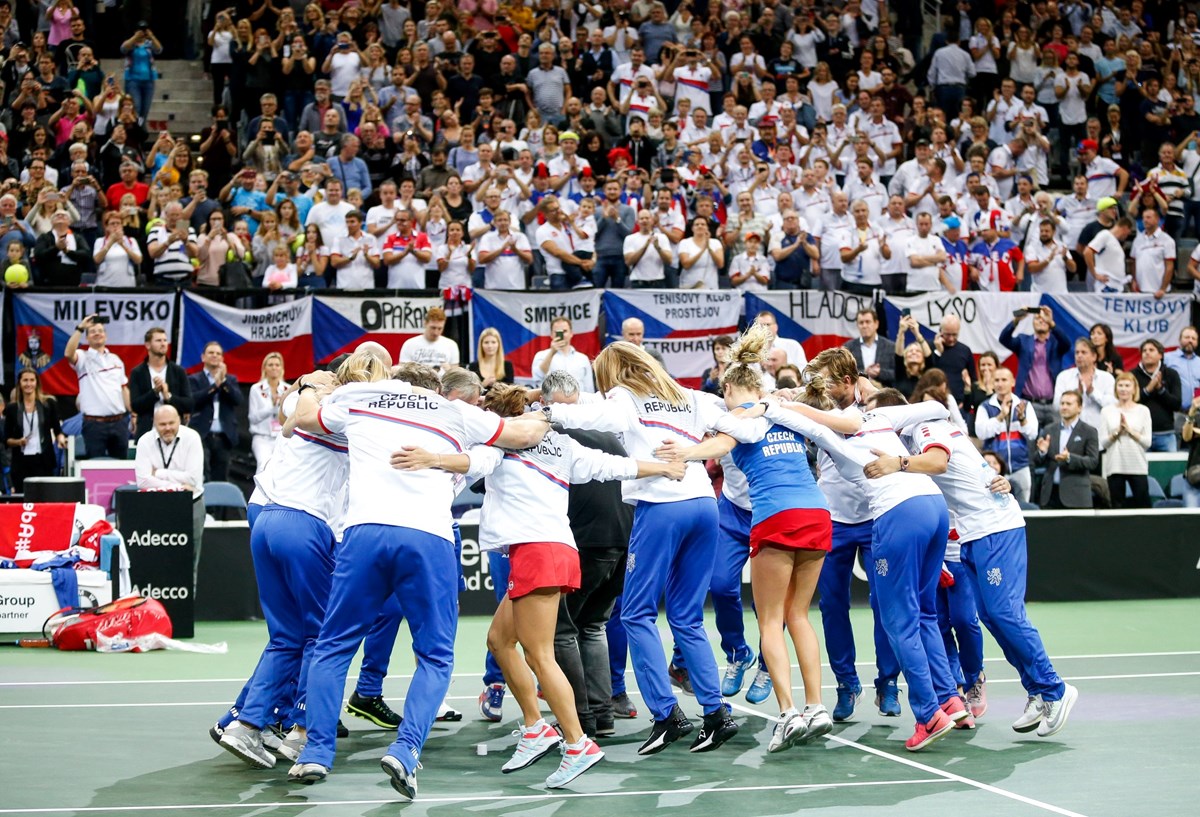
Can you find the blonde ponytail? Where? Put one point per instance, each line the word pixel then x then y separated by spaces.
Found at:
pixel 746 357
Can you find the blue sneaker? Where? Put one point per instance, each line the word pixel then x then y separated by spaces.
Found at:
pixel 735 675
pixel 491 703
pixel 760 687
pixel 847 699
pixel 887 698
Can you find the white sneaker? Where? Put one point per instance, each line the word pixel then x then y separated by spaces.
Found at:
pixel 536 742
pixel 293 743
pixel 576 760
pixel 1057 712
pixel 1031 717
pixel 448 713
pixel 817 722
pixel 246 743
pixel 790 725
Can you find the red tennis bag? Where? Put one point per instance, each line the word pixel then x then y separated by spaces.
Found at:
pixel 127 619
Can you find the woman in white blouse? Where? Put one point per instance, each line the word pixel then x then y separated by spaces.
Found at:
pixel 1125 438
pixel 454 260
pixel 701 258
pixel 264 409
pixel 117 256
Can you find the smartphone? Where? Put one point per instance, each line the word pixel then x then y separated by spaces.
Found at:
pixel 1032 310
pixel 101 319
pixel 905 312
pixel 559 334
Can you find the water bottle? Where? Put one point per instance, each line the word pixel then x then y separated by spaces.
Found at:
pixel 989 475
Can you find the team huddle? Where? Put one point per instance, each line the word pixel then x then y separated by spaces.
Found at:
pixel 352 531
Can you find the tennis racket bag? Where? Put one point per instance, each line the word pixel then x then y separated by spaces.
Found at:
pixel 127 619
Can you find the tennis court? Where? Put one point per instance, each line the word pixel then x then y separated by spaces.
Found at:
pixel 86 733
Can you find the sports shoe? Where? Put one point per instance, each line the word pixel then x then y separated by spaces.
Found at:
pixel 342 731
pixel 373 709
pixel 666 731
pixel 1031 718
pixel 246 743
pixel 681 680
pixel 718 727
pixel 847 699
pixel 787 729
pixel 576 760
pixel 623 707
pixel 1056 712
pixel 448 714
pixel 273 735
pixel 957 712
pixel 817 722
pixel 402 780
pixel 760 687
pixel 307 773
pixel 977 697
pixel 536 742
pixel 887 699
pixel 926 733
pixel 293 743
pixel 215 731
pixel 605 728
pixel 735 675
pixel 491 703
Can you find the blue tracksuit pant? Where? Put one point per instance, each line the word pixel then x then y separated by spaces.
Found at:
pixel 375 562
pixel 671 550
pixel 498 566
pixel 834 587
pixel 909 543
pixel 998 567
pixel 293 562
pixel 958 620
pixel 618 648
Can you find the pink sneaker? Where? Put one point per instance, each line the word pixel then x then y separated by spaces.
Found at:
pixel 958 713
pixel 926 733
pixel 977 697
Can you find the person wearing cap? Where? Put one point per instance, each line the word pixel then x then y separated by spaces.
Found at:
pixel 566 168
pixel 1106 214
pixel 60 258
pixel 751 270
pixel 957 273
pixel 997 264
pixel 1105 177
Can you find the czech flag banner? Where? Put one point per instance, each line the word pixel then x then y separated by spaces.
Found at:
pixel 523 321
pixel 340 324
pixel 44 323
pixel 816 320
pixel 680 324
pixel 247 335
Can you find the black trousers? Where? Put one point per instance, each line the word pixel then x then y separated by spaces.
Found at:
pixel 216 458
pixel 580 643
pixel 1139 488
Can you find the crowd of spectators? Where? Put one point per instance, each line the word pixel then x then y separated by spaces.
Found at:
pixel 781 144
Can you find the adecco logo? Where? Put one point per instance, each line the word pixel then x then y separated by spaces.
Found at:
pixel 16 601
pixel 150 539
pixel 152 592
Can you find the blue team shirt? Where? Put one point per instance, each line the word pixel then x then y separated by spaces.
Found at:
pixel 777 470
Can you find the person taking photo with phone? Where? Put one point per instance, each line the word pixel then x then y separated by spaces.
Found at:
pixel 562 356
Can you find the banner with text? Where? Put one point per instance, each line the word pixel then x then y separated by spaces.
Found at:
pixel 247 335
pixel 523 321
pixel 983 316
pixel 680 325
pixel 341 324
pixel 816 320
pixel 44 323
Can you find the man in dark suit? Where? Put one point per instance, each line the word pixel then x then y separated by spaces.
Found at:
pixel 215 395
pixel 1070 451
pixel 158 381
pixel 880 351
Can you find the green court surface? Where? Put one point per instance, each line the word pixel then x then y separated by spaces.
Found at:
pixel 82 733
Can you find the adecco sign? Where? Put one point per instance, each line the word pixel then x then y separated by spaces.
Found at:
pixel 157 526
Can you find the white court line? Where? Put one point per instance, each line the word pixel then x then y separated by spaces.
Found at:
pixel 629 689
pixel 480 798
pixel 476 674
pixel 950 776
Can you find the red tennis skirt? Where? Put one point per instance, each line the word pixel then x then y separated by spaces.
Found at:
pixel 797 529
pixel 536 565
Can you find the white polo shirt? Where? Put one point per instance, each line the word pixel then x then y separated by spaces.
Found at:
pixel 650 266
pixel 101 378
pixel 358 274
pixel 1110 261
pixel 1152 252
pixel 560 236
pixel 573 362
pixel 506 271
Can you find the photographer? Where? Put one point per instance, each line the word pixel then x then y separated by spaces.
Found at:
pixel 139 52
pixel 265 154
pixel 88 200
pixel 218 148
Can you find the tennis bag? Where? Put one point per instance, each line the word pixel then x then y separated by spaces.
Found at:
pixel 127 619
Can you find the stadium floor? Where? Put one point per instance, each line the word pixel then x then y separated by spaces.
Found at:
pixel 127 734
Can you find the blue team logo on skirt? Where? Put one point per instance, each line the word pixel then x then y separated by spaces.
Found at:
pixel 881 567
pixel 994 577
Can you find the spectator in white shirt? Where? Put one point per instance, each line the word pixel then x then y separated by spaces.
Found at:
pixel 562 356
pixel 751 270
pixel 355 255
pixel 1095 384
pixel 504 254
pixel 1048 260
pixel 647 253
pixel 927 258
pixel 1105 257
pixel 330 215
pixel 1154 256
pixel 103 390
pixel 700 258
pixel 431 347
